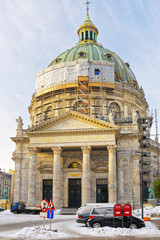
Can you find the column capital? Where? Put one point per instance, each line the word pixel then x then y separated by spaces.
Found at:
pixel 86 149
pixel 111 148
pixel 32 150
pixel 17 157
pixel 57 150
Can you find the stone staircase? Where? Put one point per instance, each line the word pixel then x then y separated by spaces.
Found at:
pixel 68 211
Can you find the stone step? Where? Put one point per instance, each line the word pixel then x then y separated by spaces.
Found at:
pixel 69 211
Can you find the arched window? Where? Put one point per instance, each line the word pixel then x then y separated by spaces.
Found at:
pixel 91 35
pixel 86 35
pixel 82 36
pixel 115 110
pixel 48 113
pixel 74 165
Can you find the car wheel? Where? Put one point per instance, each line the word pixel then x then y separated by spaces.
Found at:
pixel 96 225
pixel 133 226
pixel 87 223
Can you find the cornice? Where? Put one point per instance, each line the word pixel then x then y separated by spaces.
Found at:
pixel 129 135
pixel 20 139
pixel 70 131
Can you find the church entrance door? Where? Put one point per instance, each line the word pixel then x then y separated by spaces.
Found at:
pixel 74 186
pixel 102 190
pixel 47 189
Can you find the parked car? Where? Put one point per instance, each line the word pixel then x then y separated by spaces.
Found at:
pixel 84 211
pixel 1 209
pixel 101 217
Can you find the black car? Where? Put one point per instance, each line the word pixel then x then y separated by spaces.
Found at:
pixel 111 221
pixel 84 211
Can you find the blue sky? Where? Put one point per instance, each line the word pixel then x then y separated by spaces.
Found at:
pixel 33 33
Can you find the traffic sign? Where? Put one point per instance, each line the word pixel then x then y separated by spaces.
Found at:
pixel 44 205
pixel 118 210
pixel 127 210
pixel 43 214
pixel 51 205
pixel 50 214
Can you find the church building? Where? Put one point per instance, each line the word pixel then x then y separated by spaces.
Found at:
pixel 82 144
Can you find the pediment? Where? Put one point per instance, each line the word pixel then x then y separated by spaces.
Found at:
pixel 72 121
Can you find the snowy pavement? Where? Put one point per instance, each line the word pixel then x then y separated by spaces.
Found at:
pixel 66 229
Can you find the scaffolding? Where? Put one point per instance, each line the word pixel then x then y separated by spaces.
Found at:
pixel 83 95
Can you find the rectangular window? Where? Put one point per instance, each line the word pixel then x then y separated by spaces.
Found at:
pixel 97 71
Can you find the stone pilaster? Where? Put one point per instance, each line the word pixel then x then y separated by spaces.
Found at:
pixel 32 177
pixel 136 179
pixel 57 176
pixel 125 109
pixel 112 174
pixel 86 175
pixel 17 158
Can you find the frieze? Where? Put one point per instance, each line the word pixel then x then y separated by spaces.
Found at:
pixel 72 138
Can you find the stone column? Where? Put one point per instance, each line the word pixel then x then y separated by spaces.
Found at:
pixel 17 158
pixel 86 175
pixel 112 174
pixel 32 177
pixel 57 177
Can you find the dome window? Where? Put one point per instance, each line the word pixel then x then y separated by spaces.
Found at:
pixel 91 35
pixel 82 36
pixel 82 54
pixel 57 60
pixel 127 64
pixel 108 55
pixel 86 38
pixel 97 71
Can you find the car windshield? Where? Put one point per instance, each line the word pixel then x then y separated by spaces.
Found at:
pixel 102 211
pixel 85 210
pixel 14 204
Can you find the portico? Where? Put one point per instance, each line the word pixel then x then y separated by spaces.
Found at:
pixel 85 151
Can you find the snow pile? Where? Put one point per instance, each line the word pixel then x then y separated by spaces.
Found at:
pixel 148 211
pixel 149 230
pixel 155 212
pixel 35 233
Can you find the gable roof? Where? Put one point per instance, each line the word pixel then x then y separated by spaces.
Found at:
pixel 93 123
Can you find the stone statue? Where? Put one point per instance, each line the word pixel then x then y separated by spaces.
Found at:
pixel 19 126
pixel 110 116
pixel 150 190
pixel 19 122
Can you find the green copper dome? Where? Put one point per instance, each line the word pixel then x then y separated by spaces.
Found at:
pixel 88 48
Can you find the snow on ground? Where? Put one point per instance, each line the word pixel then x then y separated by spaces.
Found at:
pixel 67 229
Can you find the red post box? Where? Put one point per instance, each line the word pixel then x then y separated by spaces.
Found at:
pixel 127 210
pixel 118 210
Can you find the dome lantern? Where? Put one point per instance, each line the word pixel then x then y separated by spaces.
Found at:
pixel 87 32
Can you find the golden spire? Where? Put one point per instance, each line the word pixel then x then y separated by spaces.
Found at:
pixel 87 3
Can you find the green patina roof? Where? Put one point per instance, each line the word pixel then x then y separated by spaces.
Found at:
pixel 95 52
pixel 88 48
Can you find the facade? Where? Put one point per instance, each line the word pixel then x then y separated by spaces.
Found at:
pixel 5 185
pixel 83 142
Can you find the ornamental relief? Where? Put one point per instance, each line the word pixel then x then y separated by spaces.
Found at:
pixel 17 157
pixel 125 144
